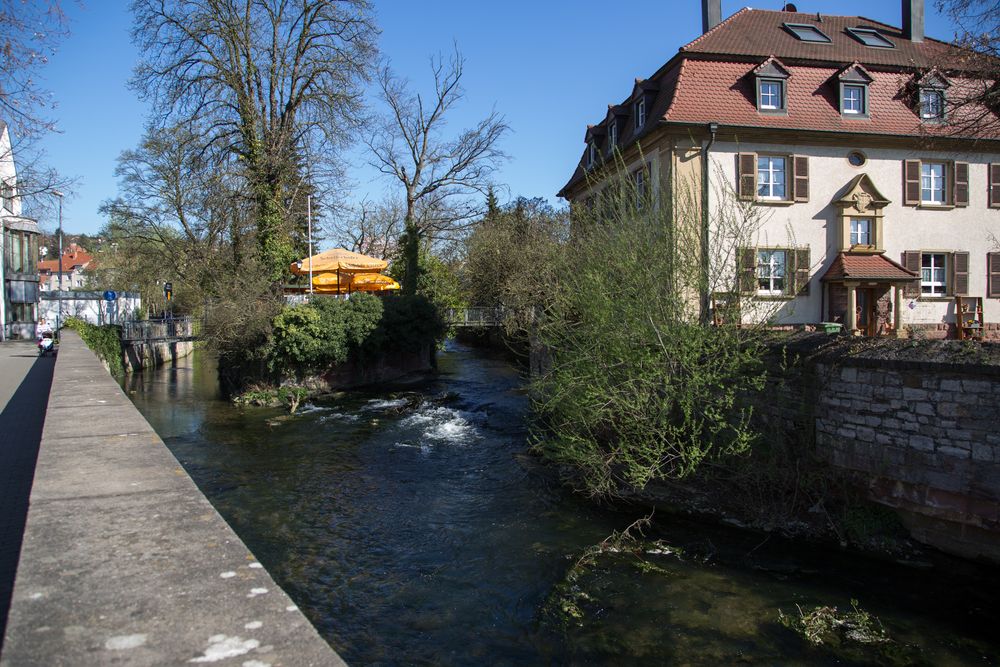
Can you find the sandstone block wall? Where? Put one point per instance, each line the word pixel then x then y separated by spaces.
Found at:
pixel 927 438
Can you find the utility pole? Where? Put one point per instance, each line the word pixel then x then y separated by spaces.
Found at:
pixel 60 297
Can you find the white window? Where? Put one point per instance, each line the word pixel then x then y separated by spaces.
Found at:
pixel 861 231
pixel 770 95
pixel 640 113
pixel 770 177
pixel 640 187
pixel 931 103
pixel 591 153
pixel 932 274
pixel 612 135
pixel 932 188
pixel 854 100
pixel 770 271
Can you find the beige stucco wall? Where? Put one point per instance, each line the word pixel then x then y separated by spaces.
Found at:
pixel 972 229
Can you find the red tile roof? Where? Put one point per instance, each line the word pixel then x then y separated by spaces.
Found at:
pixel 846 266
pixel 756 32
pixel 724 92
pixel 711 80
pixel 73 257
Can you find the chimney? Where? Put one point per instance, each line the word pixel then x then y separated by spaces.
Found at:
pixel 711 14
pixel 913 20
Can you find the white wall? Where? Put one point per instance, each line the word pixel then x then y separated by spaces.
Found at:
pixel 970 229
pixel 89 306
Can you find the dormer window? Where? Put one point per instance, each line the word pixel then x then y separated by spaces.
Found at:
pixel 771 95
pixel 640 113
pixel 612 135
pixel 853 100
pixel 854 81
pixel 591 158
pixel 771 77
pixel 931 101
pixel 931 104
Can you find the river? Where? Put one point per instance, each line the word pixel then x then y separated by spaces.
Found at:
pixel 412 528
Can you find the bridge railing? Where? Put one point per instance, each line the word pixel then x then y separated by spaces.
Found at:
pixel 473 317
pixel 179 328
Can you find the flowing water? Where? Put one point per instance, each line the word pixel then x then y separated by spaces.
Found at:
pixel 411 527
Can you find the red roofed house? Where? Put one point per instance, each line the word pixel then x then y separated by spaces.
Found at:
pixel 839 128
pixel 75 261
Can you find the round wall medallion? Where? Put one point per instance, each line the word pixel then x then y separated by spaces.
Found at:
pixel 856 158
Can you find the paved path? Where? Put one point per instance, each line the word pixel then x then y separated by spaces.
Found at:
pixel 24 392
pixel 124 561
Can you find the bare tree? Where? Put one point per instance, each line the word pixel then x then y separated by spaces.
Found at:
pixel 974 96
pixel 370 228
pixel 29 34
pixel 444 179
pixel 269 82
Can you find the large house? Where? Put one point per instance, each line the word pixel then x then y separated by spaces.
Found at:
pixel 75 262
pixel 843 133
pixel 19 245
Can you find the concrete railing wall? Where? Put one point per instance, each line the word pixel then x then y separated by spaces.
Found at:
pixel 124 561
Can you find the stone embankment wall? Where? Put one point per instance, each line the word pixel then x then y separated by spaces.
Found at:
pixel 144 354
pixel 921 432
pixel 387 367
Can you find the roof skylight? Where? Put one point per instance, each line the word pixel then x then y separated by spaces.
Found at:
pixel 807 33
pixel 871 37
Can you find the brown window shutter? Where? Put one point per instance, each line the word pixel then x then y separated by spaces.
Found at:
pixel 748 270
pixel 746 172
pixel 960 274
pixel 961 189
pixel 800 184
pixel 801 265
pixel 994 177
pixel 993 275
pixel 911 261
pixel 911 182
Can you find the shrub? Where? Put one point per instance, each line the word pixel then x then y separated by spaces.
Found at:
pixel 311 337
pixel 105 341
pixel 639 386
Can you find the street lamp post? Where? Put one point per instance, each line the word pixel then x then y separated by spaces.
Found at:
pixel 60 297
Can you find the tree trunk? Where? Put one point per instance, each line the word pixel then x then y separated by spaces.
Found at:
pixel 411 257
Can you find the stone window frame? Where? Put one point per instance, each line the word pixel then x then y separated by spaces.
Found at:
pixel 796 178
pixel 956 273
pixel 797 272
pixel 955 183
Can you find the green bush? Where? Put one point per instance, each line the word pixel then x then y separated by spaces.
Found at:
pixel 325 332
pixel 639 387
pixel 105 341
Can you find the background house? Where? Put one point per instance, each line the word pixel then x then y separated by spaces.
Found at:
pixel 75 262
pixel 878 204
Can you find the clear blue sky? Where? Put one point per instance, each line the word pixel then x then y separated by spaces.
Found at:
pixel 550 66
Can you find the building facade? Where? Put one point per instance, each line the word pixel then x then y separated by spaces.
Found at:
pixel 876 194
pixel 75 262
pixel 19 267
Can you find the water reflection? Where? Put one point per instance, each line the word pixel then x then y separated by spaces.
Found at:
pixel 408 528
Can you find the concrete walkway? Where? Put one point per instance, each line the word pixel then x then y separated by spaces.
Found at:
pixel 24 392
pixel 124 561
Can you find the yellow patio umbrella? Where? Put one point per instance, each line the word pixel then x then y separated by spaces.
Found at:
pixel 372 282
pixel 339 259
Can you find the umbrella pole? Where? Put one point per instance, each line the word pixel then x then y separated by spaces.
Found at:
pixel 309 223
